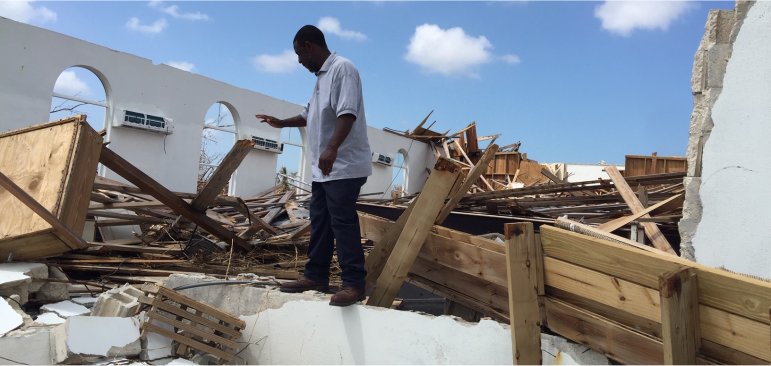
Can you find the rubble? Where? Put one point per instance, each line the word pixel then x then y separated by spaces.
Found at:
pixel 90 336
pixel 9 318
pixel 34 346
pixel 118 302
pixel 65 309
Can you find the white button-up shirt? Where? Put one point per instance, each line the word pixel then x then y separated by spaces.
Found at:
pixel 338 92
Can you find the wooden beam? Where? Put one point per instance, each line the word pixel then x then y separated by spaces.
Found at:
pixel 68 237
pixel 221 175
pixel 460 148
pixel 680 317
pixel 651 230
pixel 148 185
pixel 620 222
pixel 416 229
pixel 471 178
pixel 617 342
pixel 523 301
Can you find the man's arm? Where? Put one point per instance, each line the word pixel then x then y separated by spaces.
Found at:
pixel 296 121
pixel 342 129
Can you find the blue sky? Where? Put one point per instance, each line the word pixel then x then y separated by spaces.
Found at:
pixel 576 82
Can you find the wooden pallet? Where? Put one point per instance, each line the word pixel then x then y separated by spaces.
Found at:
pixel 196 325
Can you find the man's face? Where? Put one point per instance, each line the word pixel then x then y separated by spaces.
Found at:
pixel 304 51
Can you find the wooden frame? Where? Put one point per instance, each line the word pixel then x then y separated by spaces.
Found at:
pixel 54 164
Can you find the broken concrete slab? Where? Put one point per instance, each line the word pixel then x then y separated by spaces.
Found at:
pixel 120 302
pixel 21 279
pixel 154 345
pixel 560 351
pixel 48 319
pixel 89 336
pixel 34 346
pixel 13 274
pixel 65 309
pixel 181 361
pixel 237 299
pixel 9 318
pixel 87 301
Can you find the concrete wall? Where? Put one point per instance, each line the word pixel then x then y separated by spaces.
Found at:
pixel 33 58
pixel 727 196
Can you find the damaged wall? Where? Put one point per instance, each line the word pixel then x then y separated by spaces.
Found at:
pixel 33 58
pixel 724 221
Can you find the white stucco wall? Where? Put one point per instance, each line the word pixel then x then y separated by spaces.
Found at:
pixel 736 168
pixel 33 58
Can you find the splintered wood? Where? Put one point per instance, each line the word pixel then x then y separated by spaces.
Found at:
pixel 193 325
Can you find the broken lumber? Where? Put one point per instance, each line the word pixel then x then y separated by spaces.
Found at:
pixel 651 230
pixel 131 173
pixel 416 229
pixel 221 175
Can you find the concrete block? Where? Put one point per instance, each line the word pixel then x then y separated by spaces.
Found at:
pixel 65 309
pixel 9 318
pixel 121 302
pixel 97 336
pixel 716 60
pixel 52 291
pixel 34 346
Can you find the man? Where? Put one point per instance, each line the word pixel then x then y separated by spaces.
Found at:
pixel 341 161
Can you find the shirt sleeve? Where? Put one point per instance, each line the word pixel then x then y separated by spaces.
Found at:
pixel 304 113
pixel 346 92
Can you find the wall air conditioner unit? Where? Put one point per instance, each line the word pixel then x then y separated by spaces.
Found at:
pixel 382 159
pixel 268 145
pixel 145 122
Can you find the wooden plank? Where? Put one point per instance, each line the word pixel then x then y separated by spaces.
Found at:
pixel 195 318
pixel 620 222
pixel 733 293
pixel 523 304
pixel 680 317
pixel 134 175
pixel 651 230
pixel 221 176
pixel 188 341
pixel 130 217
pixel 737 332
pixel 416 229
pixel 471 178
pixel 483 295
pixel 615 341
pixel 68 237
pixel 107 247
pixel 618 293
pixel 126 205
pixel 209 310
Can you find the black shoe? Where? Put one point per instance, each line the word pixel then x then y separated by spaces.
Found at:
pixel 347 296
pixel 302 285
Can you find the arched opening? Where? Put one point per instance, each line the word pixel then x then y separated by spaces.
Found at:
pixel 290 163
pixel 218 137
pixel 399 175
pixel 81 90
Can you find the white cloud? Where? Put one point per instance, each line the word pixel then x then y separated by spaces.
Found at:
pixel 154 28
pixel 281 63
pixel 173 10
pixel 182 65
pixel 23 11
pixel 332 25
pixel 510 59
pixel 68 83
pixel 448 52
pixel 622 17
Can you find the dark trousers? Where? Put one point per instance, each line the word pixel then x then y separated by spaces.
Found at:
pixel 334 220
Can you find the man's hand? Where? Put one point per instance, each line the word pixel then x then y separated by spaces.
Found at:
pixel 327 159
pixel 272 121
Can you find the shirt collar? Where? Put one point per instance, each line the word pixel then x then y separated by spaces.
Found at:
pixel 327 63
